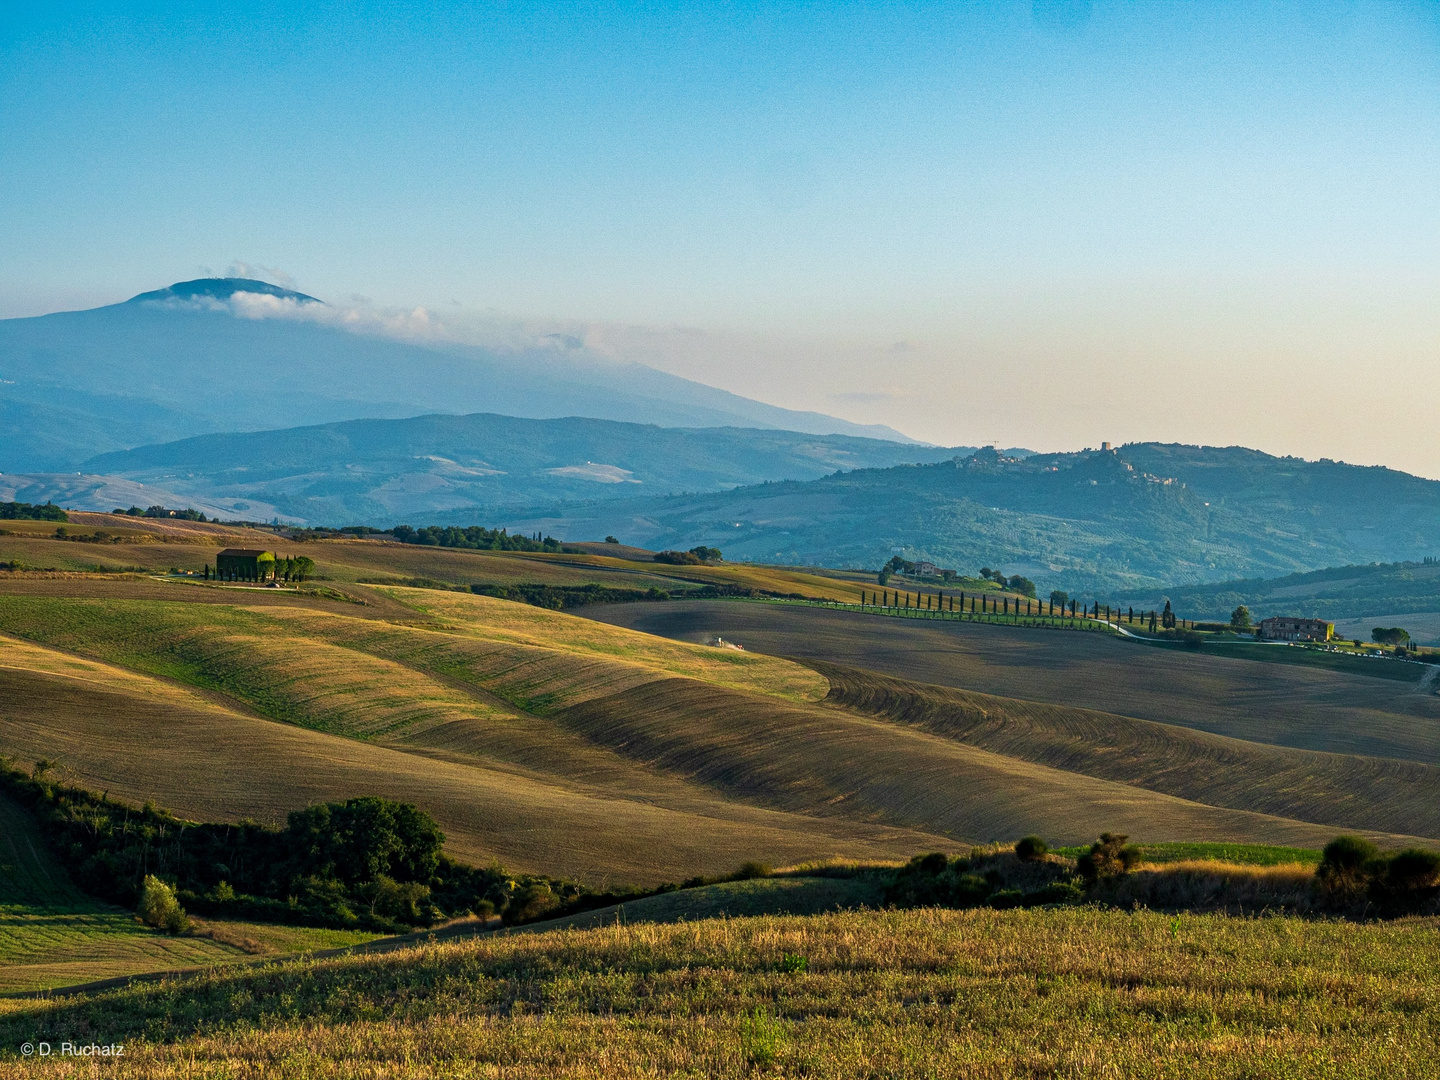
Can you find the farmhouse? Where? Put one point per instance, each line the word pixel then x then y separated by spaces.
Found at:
pixel 1286 628
pixel 244 564
pixel 926 569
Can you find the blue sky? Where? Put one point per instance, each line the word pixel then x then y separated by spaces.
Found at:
pixel 1046 223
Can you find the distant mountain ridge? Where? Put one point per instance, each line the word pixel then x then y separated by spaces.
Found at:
pixel 1149 515
pixel 387 471
pixel 177 362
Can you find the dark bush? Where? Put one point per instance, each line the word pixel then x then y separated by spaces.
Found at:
pixel 934 863
pixel 969 890
pixel 1031 848
pixel 529 902
pixel 1109 856
pixel 751 870
pixel 1006 898
pixel 1348 853
pixel 1057 892
pixel 1413 871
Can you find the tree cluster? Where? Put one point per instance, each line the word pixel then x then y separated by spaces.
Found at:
pixel 23 511
pixel 696 556
pixel 1389 635
pixel 564 597
pixel 475 538
pixel 189 514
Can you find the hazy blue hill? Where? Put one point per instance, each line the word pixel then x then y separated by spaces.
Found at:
pixel 1383 513
pixel 383 471
pixel 178 362
pixel 1089 521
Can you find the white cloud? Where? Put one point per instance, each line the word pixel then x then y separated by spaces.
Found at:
pixel 255 272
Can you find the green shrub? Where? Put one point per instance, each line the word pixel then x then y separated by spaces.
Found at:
pixel 1057 892
pixel 1031 848
pixel 1348 853
pixel 933 863
pixel 1413 869
pixel 159 908
pixel 529 902
pixel 1109 856
pixel 1006 898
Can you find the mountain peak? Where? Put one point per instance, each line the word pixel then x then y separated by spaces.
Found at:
pixel 221 289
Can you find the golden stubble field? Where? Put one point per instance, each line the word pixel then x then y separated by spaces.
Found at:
pixel 1054 993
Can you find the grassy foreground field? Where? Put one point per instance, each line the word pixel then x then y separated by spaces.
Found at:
pixel 1040 993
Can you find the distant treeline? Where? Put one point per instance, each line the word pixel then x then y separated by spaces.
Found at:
pixel 188 514
pixel 364 863
pixel 563 597
pixel 22 511
pixel 475 538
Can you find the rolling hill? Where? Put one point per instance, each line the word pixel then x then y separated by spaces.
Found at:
pixel 1356 598
pixel 371 471
pixel 194 359
pixel 562 744
pixel 1145 515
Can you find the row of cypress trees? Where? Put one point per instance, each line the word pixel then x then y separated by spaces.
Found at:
pixel 982 604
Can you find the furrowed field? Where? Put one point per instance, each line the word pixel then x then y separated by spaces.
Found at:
pixel 1066 993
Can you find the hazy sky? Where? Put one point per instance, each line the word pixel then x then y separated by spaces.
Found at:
pixel 1046 224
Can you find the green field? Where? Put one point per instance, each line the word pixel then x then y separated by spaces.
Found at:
pixel 1056 993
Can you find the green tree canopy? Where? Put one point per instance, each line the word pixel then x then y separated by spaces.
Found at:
pixel 1389 635
pixel 361 839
